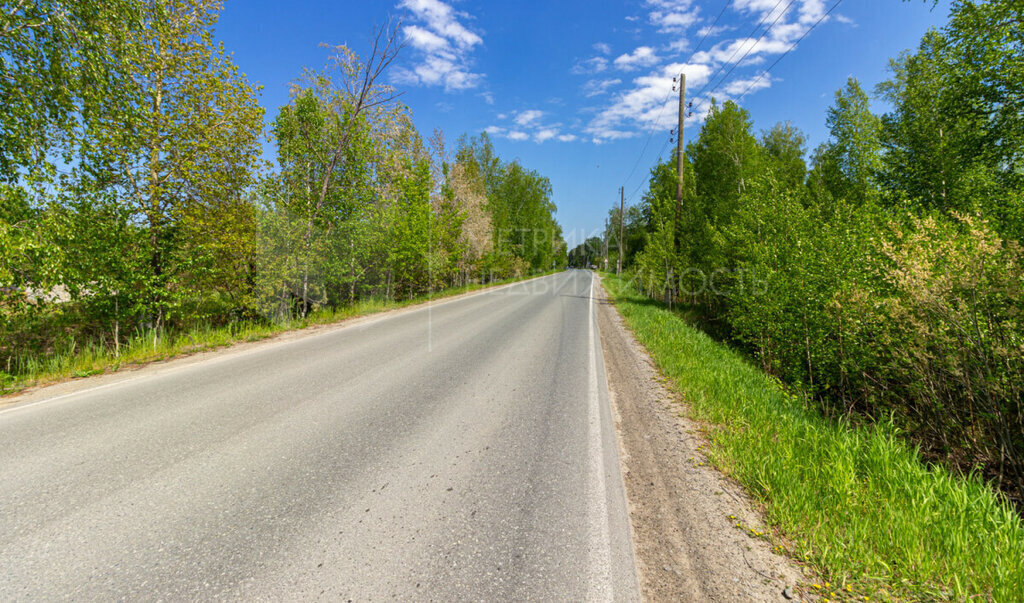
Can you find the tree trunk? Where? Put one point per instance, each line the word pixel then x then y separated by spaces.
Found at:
pixel 352 273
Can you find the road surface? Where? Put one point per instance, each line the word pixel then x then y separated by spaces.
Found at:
pixel 461 451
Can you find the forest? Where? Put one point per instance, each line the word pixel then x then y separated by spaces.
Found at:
pixel 883 277
pixel 136 202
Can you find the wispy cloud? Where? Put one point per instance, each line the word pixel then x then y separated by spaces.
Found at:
pixel 647 105
pixel 590 66
pixel 545 134
pixel 758 81
pixel 672 16
pixel 845 20
pixel 598 87
pixel 530 124
pixel 643 56
pixel 525 118
pixel 444 46
pixel 648 102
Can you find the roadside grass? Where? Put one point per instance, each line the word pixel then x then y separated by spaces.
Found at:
pixel 76 360
pixel 856 503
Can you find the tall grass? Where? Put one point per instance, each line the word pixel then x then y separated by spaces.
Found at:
pixel 73 359
pixel 857 503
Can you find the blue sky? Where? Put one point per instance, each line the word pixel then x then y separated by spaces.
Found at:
pixel 581 90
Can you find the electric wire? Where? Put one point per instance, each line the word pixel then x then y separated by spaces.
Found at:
pixel 754 45
pixel 761 22
pixel 765 72
pixel 664 102
pixel 737 49
pixel 791 47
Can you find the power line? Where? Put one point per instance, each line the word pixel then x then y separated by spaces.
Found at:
pixel 706 33
pixel 647 142
pixel 776 62
pixel 737 49
pixel 642 182
pixel 754 45
pixel 792 46
pixel 734 65
pixel 770 67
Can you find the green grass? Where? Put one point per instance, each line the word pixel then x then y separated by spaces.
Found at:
pixel 855 503
pixel 74 360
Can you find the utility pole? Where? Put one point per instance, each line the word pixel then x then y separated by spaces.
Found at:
pixel 679 183
pixel 679 158
pixel 606 244
pixel 622 221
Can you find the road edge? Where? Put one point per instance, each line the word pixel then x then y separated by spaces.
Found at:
pixel 695 532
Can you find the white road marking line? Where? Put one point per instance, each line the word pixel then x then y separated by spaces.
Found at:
pixel 600 566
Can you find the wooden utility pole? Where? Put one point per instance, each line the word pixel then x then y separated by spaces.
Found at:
pixel 622 221
pixel 679 158
pixel 606 244
pixel 679 184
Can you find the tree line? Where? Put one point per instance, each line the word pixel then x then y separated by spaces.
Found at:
pixel 885 277
pixel 134 197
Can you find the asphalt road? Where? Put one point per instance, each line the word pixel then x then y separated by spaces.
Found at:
pixel 459 452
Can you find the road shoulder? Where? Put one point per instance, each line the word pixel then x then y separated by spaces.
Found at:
pixel 684 513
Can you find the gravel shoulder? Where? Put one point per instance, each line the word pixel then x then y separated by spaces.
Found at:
pixel 684 513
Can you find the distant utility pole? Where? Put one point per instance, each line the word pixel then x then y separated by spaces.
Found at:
pixel 606 244
pixel 622 220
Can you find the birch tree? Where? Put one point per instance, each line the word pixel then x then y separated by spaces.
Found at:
pixel 177 141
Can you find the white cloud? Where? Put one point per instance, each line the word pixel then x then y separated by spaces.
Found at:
pixel 525 118
pixel 598 87
pixel 712 31
pixel 530 124
pixel 444 44
pixel 589 66
pixel 678 46
pixel 723 69
pixel 643 56
pixel 845 20
pixel 488 97
pixel 733 51
pixel 545 134
pixel 650 104
pixel 672 15
pixel 603 48
pixel 424 39
pixel 745 86
pixel 441 19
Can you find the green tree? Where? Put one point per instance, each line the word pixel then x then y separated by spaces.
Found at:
pixel 58 59
pixel 177 142
pixel 785 147
pixel 854 152
pixel 726 158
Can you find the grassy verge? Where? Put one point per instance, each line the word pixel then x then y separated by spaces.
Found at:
pixel 145 347
pixel 856 503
